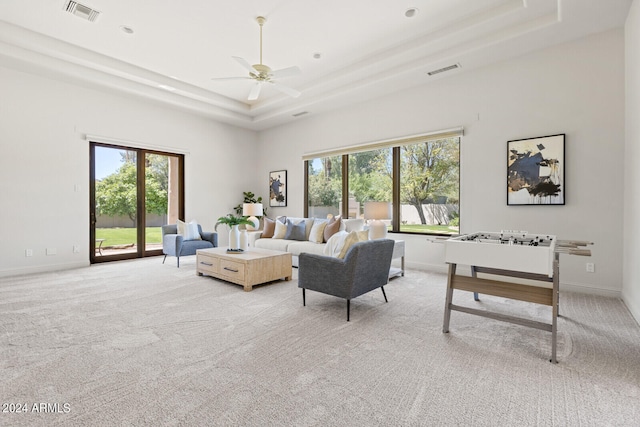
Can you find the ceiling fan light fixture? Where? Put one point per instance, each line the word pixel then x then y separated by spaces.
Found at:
pixel 261 73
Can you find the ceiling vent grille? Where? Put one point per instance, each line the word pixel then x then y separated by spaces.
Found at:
pixel 81 11
pixel 443 69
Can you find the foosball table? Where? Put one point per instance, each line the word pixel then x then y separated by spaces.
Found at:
pixel 515 254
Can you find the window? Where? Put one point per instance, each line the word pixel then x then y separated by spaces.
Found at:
pixel 429 187
pixel 418 176
pixel 324 186
pixel 370 179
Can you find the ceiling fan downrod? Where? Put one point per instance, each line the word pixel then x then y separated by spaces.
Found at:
pixel 263 70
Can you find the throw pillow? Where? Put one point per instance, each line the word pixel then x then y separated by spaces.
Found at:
pixel 363 235
pixel 189 231
pixel 351 239
pixel 335 243
pixel 295 231
pixel 192 232
pixel 332 227
pixel 317 231
pixel 269 228
pixel 280 230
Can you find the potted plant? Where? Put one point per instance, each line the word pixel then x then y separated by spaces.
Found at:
pixel 249 197
pixel 234 234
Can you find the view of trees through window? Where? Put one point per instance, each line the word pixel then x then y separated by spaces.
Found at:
pixel 325 186
pixel 428 191
pixel 117 188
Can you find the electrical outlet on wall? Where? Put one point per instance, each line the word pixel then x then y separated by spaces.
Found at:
pixel 28 252
pixel 591 267
pixel 76 249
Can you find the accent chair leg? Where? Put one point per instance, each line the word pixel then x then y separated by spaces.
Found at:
pixel 164 259
pixel 348 308
pixel 304 299
pixel 383 293
pixel 475 296
pixel 178 258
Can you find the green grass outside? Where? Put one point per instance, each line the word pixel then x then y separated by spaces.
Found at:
pixel 420 228
pixel 125 236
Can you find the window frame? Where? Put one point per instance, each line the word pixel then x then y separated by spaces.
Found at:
pixel 396 146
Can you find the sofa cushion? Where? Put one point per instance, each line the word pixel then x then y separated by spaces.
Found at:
pixel 353 224
pixel 296 248
pixel 269 228
pixel 332 227
pixel 273 244
pixel 295 231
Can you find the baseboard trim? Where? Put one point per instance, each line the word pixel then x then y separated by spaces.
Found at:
pixel 588 289
pixel 633 308
pixel 42 269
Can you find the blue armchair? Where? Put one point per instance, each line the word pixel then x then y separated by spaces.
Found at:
pixel 364 268
pixel 174 244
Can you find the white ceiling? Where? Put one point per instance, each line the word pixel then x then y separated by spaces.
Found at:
pixel 368 47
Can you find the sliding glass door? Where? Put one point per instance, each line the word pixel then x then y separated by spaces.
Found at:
pixel 133 193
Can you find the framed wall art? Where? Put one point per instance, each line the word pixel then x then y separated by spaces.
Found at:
pixel 535 171
pixel 278 188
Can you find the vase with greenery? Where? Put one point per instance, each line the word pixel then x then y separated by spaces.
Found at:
pixel 234 234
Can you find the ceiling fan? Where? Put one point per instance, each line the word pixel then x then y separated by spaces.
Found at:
pixel 262 74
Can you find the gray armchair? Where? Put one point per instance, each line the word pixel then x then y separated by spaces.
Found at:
pixel 174 244
pixel 364 268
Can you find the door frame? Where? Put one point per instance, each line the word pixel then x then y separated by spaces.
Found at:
pixel 141 153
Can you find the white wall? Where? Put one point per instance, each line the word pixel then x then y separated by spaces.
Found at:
pixel 44 156
pixel 631 275
pixel 575 88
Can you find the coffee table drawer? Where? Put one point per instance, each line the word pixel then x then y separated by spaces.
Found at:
pixel 232 270
pixel 208 265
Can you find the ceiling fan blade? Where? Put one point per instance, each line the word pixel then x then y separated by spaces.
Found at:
pixel 285 89
pixel 286 72
pixel 231 78
pixel 255 92
pixel 244 63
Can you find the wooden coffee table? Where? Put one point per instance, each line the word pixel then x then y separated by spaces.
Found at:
pixel 250 268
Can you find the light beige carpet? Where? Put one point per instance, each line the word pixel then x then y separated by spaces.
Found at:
pixel 142 343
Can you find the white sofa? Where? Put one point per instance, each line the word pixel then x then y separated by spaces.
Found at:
pixel 296 247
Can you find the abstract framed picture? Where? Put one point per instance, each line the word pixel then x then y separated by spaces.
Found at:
pixel 278 188
pixel 535 171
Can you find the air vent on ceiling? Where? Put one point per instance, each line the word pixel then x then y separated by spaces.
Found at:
pixel 443 69
pixel 81 11
pixel 302 113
